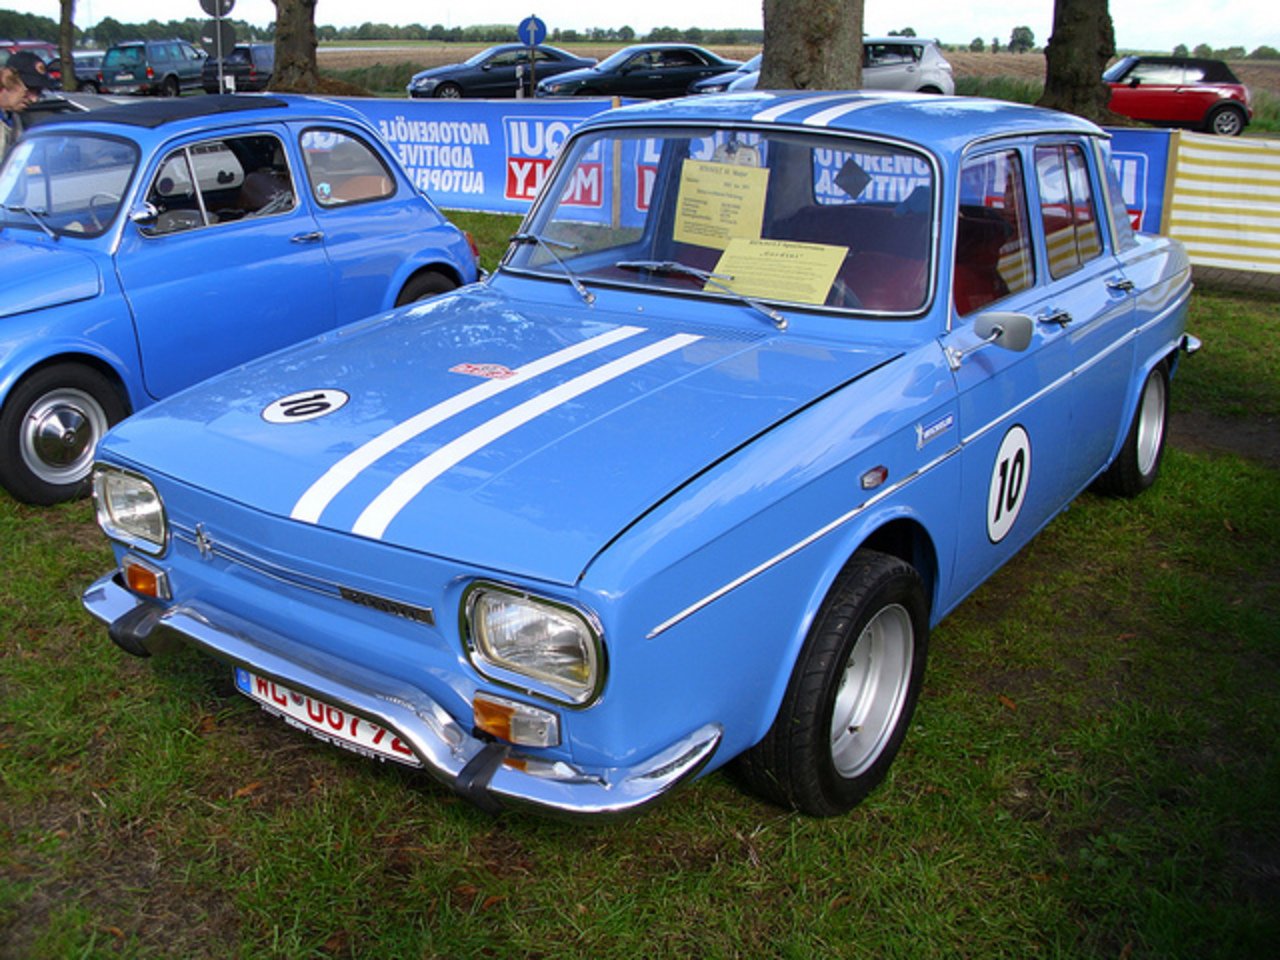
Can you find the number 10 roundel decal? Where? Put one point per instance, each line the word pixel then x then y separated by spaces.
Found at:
pixel 1009 480
pixel 306 405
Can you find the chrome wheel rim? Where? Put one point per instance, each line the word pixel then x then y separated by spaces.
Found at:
pixel 1151 423
pixel 873 691
pixel 59 435
pixel 1227 123
pixel 450 93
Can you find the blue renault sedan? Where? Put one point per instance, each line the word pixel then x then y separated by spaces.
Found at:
pixel 146 246
pixel 764 387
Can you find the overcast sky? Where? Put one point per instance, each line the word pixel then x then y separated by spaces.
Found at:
pixel 1140 24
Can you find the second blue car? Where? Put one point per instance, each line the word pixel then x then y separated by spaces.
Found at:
pixel 148 246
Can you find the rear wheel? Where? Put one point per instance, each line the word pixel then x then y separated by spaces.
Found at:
pixel 50 428
pixel 170 87
pixel 1226 120
pixel 851 694
pixel 1138 464
pixel 424 286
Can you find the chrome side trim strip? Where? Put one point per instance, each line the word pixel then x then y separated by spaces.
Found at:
pixel 796 547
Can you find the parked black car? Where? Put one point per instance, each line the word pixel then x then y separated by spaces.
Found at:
pixel 654 70
pixel 161 67
pixel 87 63
pixel 492 72
pixel 251 64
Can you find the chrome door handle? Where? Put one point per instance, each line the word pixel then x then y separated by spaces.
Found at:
pixel 1060 317
pixel 314 237
pixel 1121 286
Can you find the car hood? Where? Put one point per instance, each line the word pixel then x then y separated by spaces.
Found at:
pixel 482 431
pixel 37 276
pixel 444 70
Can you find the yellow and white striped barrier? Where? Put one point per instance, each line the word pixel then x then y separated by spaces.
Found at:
pixel 1224 201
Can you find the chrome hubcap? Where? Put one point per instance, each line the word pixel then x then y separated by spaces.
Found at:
pixel 59 435
pixel 1151 423
pixel 873 691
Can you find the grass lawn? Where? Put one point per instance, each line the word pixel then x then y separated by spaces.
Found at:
pixel 1092 771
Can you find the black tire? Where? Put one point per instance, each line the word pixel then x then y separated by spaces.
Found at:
pixel 170 87
pixel 49 429
pixel 1138 463
pixel 88 87
pixel 860 670
pixel 424 286
pixel 448 91
pixel 1225 120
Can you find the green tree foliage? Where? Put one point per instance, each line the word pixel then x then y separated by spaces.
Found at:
pixel 1022 40
pixel 976 45
pixel 1265 53
pixel 1203 50
pixel 1181 50
pixel 904 32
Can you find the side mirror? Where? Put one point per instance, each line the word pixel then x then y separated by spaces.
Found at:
pixel 1009 330
pixel 1012 331
pixel 144 214
pixel 1134 82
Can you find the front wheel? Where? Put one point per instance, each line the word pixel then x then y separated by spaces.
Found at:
pixel 1138 464
pixel 1225 121
pixel 424 286
pixel 49 430
pixel 852 692
pixel 449 91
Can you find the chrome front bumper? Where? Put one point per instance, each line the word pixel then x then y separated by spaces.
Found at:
pixel 474 768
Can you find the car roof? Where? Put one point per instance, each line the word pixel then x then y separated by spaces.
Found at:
pixel 178 114
pixel 947 123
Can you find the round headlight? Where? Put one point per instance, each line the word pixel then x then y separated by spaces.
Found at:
pixel 129 509
pixel 550 644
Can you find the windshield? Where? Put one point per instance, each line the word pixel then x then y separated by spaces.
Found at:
pixel 782 217
pixel 118 57
pixel 69 185
pixel 1117 69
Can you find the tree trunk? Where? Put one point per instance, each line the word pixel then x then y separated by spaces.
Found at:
pixel 295 68
pixel 66 41
pixel 812 45
pixel 1083 41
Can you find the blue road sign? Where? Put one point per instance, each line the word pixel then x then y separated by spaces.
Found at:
pixel 531 31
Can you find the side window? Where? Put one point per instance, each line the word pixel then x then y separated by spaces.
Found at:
pixel 344 169
pixel 993 242
pixel 1067 208
pixel 219 181
pixel 1125 238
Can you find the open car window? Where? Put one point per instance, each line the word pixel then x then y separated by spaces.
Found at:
pixel 220 181
pixel 784 217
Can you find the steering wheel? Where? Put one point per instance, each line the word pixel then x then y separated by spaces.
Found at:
pixel 100 199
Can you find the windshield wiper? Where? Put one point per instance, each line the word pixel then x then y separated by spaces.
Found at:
pixel 549 245
pixel 706 276
pixel 37 217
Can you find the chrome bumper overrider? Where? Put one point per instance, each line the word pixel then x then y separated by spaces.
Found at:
pixel 471 766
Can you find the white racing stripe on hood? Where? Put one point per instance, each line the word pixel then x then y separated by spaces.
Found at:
pixel 375 519
pixel 321 493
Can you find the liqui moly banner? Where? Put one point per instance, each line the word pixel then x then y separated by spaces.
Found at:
pixel 490 155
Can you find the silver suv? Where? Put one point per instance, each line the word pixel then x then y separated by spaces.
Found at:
pixel 891 63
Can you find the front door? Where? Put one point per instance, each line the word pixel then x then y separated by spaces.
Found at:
pixel 231 266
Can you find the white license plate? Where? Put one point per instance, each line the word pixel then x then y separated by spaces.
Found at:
pixel 322 720
pixel 124 76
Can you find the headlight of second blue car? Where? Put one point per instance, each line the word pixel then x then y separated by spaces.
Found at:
pixel 423 83
pixel 513 637
pixel 129 509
